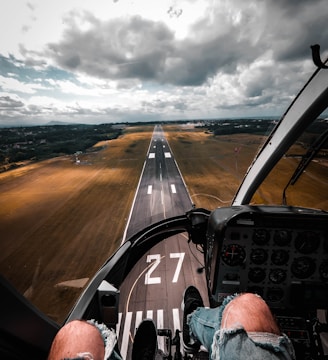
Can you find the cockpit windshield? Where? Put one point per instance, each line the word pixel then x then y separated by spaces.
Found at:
pixel 300 177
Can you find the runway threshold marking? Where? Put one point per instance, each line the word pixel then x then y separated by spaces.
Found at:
pixel 129 333
pixel 126 334
pixel 160 324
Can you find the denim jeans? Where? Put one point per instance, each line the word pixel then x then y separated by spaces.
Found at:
pixel 236 343
pixel 110 340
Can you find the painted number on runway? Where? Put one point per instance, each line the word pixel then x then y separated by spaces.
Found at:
pixel 155 259
pixel 148 279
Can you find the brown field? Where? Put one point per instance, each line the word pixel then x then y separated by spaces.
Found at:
pixel 211 166
pixel 213 170
pixel 61 221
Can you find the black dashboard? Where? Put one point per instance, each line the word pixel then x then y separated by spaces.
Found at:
pixel 278 252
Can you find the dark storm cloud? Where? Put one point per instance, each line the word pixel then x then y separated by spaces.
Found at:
pixel 292 7
pixel 160 104
pixel 136 48
pixel 6 103
pixel 301 25
pixel 229 34
pixel 130 48
pixel 195 62
pixel 143 49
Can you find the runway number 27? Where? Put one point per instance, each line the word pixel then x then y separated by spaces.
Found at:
pixel 155 260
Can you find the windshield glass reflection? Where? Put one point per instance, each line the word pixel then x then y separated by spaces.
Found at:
pixel 300 177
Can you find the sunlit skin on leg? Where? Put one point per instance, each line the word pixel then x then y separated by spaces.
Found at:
pixel 250 311
pixel 76 338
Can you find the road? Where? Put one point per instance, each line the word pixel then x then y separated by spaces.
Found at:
pixel 155 286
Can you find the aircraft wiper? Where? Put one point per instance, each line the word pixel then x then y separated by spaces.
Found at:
pixel 306 159
pixel 316 57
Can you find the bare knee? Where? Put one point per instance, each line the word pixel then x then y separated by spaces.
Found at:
pixel 76 338
pixel 250 311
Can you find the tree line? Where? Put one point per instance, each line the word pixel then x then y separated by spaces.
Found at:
pixel 41 142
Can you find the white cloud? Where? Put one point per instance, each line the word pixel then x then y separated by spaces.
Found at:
pixel 11 84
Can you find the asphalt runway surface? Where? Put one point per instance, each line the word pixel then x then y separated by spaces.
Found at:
pixel 161 191
pixel 155 287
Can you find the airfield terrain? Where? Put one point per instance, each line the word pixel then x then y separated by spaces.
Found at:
pixel 60 221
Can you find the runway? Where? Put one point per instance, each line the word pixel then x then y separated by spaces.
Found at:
pixel 155 286
pixel 161 191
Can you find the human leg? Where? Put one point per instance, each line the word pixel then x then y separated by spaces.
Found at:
pixel 203 323
pixel 80 339
pixel 250 311
pixel 199 323
pixel 248 330
pixel 242 327
pixel 89 340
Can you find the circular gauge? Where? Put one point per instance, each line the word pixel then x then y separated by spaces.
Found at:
pixel 303 267
pixel 279 257
pixel 259 256
pixel 233 254
pixel 256 275
pixel 323 270
pixel 261 236
pixel 307 242
pixel 277 276
pixel 275 294
pixel 282 237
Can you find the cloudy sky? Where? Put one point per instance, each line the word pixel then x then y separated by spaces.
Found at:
pixel 95 61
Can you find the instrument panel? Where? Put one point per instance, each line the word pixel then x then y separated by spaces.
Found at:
pixel 280 253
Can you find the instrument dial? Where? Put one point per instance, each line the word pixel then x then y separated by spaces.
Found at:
pixel 256 275
pixel 233 254
pixel 259 256
pixel 261 236
pixel 279 257
pixel 282 237
pixel 307 242
pixel 277 276
pixel 303 267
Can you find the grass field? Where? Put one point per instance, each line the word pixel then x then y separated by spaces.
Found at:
pixel 60 221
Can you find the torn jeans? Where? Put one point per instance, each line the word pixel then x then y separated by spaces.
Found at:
pixel 236 343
